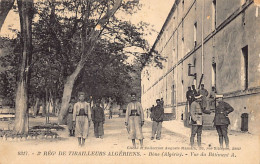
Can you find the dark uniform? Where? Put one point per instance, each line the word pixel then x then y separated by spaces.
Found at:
pixel 98 118
pixel 221 121
pixel 190 96
pixel 157 118
pixel 194 92
pixel 70 123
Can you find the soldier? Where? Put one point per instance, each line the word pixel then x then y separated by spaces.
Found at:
pixel 98 118
pixel 212 96
pixel 110 112
pixel 82 118
pixel 189 96
pixel 221 120
pixel 194 91
pixel 134 120
pixel 162 102
pixel 196 120
pixel 70 123
pixel 157 118
pixel 204 94
pixel 151 110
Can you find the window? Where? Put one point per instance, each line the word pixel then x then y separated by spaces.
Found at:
pixel 173 98
pixel 182 5
pixel 244 67
pixel 195 34
pixel 213 15
pixel 213 75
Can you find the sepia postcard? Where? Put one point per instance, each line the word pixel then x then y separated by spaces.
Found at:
pixel 129 81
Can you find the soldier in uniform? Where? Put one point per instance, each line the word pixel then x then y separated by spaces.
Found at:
pixel 70 123
pixel 194 92
pixel 196 120
pixel 82 118
pixel 134 120
pixel 189 96
pixel 204 94
pixel 221 120
pixel 157 118
pixel 212 96
pixel 151 110
pixel 162 102
pixel 98 118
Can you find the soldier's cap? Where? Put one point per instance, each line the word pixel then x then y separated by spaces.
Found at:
pixel 198 96
pixel 158 100
pixel 219 96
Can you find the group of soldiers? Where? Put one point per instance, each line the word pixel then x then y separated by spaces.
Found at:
pixel 80 116
pixel 198 105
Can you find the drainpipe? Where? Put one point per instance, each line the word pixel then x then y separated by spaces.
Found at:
pixel 202 40
pixel 175 69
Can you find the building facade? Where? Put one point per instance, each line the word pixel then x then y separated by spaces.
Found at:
pixel 220 41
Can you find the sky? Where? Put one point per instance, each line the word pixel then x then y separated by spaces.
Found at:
pixel 153 12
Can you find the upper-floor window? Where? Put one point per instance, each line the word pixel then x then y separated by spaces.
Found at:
pixel 195 34
pixel 214 15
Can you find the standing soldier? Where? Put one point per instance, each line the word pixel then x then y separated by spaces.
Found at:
pixel 196 120
pixel 110 112
pixel 204 94
pixel 151 110
pixel 70 123
pixel 212 96
pixel 221 120
pixel 157 118
pixel 98 118
pixel 189 96
pixel 82 118
pixel 134 120
pixel 194 92
pixel 162 102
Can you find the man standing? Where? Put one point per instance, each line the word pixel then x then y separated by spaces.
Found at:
pixel 157 118
pixel 70 123
pixel 212 96
pixel 110 112
pixel 98 118
pixel 162 102
pixel 204 94
pixel 134 120
pixel 194 92
pixel 82 118
pixel 189 96
pixel 221 120
pixel 196 120
pixel 151 110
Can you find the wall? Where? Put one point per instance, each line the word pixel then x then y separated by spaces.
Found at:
pixel 237 25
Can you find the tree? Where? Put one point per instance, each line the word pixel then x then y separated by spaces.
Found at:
pixel 77 27
pixel 25 8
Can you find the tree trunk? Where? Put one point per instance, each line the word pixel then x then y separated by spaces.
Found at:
pixel 5 7
pixel 35 107
pixel 25 8
pixel 68 86
pixel 21 109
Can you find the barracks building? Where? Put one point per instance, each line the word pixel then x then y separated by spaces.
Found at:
pixel 210 42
